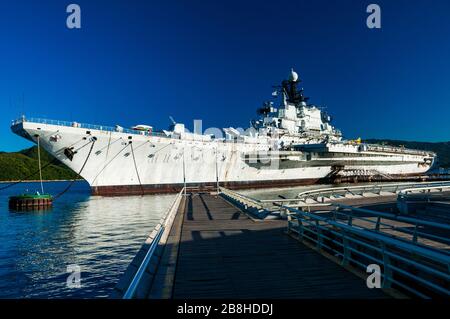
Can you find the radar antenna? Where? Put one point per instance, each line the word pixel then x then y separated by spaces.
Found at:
pixel 294 95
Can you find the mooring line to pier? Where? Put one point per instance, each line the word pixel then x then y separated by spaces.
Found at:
pixel 109 144
pixel 28 176
pixel 39 162
pixel 83 146
pixel 136 168
pixel 142 144
pixel 93 140
pixel 107 149
pixel 104 167
pixel 153 154
pixel 69 146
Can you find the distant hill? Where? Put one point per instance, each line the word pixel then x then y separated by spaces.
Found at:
pixel 442 149
pixel 17 165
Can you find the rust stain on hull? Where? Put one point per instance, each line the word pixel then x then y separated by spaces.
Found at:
pixel 129 190
pixel 121 190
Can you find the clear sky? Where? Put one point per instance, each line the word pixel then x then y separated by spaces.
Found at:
pixel 137 62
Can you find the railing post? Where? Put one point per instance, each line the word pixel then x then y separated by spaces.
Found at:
pixel 377 225
pixel 387 278
pixel 286 212
pixel 289 221
pixel 300 228
pixel 414 239
pixel 345 243
pixel 319 235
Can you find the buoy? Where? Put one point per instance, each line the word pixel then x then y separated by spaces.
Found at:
pixel 35 201
pixel 41 201
pixel 30 201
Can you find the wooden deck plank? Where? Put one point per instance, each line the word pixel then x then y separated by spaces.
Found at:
pixel 225 254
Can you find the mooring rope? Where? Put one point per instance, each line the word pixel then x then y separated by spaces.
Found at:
pixel 28 176
pixel 153 154
pixel 61 150
pixel 93 140
pixel 82 146
pixel 39 163
pixel 135 167
pixel 109 145
pixel 104 167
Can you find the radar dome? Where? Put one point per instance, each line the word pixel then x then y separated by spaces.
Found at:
pixel 293 76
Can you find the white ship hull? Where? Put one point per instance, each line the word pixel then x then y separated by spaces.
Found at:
pixel 112 165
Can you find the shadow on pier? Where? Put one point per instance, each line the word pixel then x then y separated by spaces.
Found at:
pixel 214 250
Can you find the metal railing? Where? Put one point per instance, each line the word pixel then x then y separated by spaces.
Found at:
pixel 325 195
pixel 393 188
pixel 160 233
pixel 426 189
pixel 255 206
pixel 417 224
pixel 88 126
pixel 419 270
pixel 396 149
pixel 409 263
pixel 240 197
pixel 411 199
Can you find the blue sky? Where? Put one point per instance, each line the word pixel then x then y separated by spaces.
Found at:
pixel 137 62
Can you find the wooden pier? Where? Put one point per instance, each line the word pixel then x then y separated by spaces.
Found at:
pixel 215 250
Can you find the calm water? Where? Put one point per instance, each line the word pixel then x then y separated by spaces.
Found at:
pixel 99 234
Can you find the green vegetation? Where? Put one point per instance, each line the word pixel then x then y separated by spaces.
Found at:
pixel 18 165
pixel 442 149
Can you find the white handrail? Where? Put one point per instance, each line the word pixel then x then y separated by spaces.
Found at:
pixel 88 126
pixel 366 187
pixel 129 293
pixel 420 189
pixel 163 226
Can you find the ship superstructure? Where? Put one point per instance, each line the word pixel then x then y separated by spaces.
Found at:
pixel 291 143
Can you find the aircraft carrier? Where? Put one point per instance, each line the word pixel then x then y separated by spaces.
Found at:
pixel 292 142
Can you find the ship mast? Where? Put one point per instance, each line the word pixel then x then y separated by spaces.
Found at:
pixel 294 95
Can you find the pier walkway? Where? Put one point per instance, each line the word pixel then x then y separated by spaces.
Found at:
pixel 214 250
pixel 225 254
